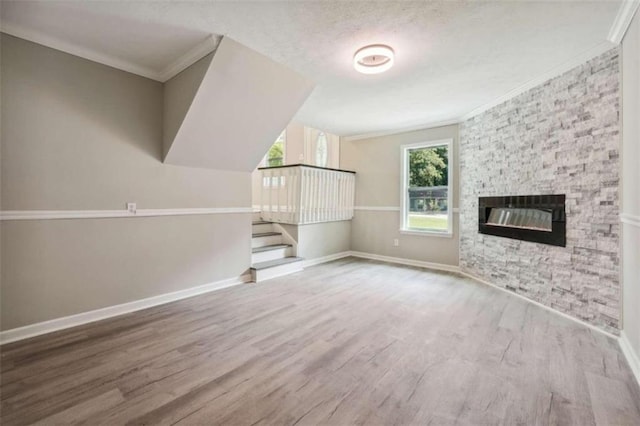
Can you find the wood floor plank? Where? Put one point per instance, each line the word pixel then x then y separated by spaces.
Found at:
pixel 348 342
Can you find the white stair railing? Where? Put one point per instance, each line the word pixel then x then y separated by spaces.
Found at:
pixel 300 194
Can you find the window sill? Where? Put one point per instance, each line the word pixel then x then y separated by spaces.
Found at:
pixel 427 233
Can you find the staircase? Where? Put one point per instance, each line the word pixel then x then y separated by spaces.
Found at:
pixel 271 256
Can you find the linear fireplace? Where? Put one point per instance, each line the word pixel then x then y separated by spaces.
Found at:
pixel 536 218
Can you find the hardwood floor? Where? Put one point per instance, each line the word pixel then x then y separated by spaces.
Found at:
pixel 347 342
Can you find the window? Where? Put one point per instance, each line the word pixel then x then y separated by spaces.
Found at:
pixel 426 188
pixel 321 150
pixel 275 156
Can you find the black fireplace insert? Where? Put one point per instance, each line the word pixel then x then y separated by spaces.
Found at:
pixel 536 218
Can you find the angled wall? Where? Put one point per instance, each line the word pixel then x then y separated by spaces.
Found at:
pixel 242 104
pixel 179 93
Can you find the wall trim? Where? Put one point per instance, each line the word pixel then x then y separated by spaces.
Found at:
pixel 100 214
pixel 193 55
pixel 378 208
pixel 632 357
pixel 390 209
pixel 409 129
pixel 623 19
pixel 56 324
pixel 577 60
pixel 79 51
pixel 407 262
pixel 196 53
pixel 630 219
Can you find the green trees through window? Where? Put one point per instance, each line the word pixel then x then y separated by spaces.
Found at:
pixel 426 194
pixel 428 167
pixel 275 156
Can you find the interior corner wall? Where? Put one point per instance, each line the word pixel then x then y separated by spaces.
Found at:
pixel 77 135
pixel 561 137
pixel 376 224
pixel 631 184
pixel 179 92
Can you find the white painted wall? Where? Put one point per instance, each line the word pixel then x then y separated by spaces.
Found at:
pixel 631 184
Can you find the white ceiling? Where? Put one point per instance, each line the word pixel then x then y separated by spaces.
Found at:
pixel 451 57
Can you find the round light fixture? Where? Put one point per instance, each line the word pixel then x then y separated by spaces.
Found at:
pixel 373 59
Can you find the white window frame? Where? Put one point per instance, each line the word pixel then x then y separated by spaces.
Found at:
pixel 404 193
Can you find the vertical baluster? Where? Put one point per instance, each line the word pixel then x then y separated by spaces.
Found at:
pixel 263 194
pixel 323 195
pixel 268 195
pixel 312 194
pixel 331 204
pixel 327 192
pixel 307 189
pixel 330 195
pixel 352 195
pixel 294 194
pixel 292 188
pixel 336 195
pixel 343 196
pixel 315 200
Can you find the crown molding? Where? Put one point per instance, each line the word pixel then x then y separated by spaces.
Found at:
pixel 198 52
pixel 73 49
pixel 623 19
pixel 542 78
pixel 423 126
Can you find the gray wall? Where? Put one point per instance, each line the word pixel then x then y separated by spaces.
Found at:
pixel 179 92
pixel 77 135
pixel 377 164
pixel 631 183
pixel 561 137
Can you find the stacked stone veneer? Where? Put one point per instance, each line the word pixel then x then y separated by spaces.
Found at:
pixel 561 137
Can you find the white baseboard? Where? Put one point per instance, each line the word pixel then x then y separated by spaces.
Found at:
pixel 547 308
pixel 408 262
pixel 324 259
pixel 632 357
pixel 456 269
pixel 44 327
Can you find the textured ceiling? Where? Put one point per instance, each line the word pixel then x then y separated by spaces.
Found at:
pixel 451 57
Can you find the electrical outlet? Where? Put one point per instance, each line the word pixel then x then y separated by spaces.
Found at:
pixel 396 242
pixel 131 208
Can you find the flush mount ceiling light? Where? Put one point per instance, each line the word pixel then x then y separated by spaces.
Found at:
pixel 373 59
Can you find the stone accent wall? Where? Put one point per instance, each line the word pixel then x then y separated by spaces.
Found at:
pixel 561 137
